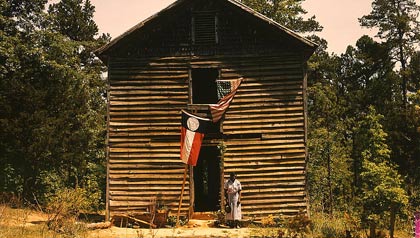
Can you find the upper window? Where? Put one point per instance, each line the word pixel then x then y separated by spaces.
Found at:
pixel 204 28
pixel 203 85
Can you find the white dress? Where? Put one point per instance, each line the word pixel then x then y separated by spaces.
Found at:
pixel 233 189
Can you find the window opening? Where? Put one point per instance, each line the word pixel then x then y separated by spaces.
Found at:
pixel 204 87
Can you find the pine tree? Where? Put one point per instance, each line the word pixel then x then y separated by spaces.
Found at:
pixel 398 25
pixel 329 174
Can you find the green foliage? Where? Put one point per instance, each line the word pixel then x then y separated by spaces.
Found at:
pixel 52 103
pixel 398 25
pixel 329 168
pixel 381 184
pixel 328 227
pixel 171 221
pixel 74 18
pixel 286 12
pixel 372 138
pixel 396 20
pixel 64 208
pixel 414 72
pixel 382 188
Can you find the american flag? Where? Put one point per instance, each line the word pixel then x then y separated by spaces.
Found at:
pixel 226 90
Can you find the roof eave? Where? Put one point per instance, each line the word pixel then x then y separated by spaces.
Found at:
pixel 100 51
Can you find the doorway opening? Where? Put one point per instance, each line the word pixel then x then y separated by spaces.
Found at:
pixel 207 180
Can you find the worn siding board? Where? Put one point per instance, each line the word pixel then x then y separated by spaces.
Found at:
pixel 146 96
pixel 272 168
pixel 144 104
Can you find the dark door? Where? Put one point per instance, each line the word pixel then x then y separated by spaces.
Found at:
pixel 207 180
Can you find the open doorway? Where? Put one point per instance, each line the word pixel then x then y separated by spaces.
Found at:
pixel 207 180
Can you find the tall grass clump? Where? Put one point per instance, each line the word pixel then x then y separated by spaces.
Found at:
pixel 281 226
pixel 326 226
pixel 64 209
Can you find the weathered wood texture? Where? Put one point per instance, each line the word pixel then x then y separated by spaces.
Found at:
pixel 263 130
pixel 173 33
pixel 146 97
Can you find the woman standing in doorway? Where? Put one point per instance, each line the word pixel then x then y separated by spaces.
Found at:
pixel 233 200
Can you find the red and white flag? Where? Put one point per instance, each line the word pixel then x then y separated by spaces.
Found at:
pixel 192 134
pixel 217 110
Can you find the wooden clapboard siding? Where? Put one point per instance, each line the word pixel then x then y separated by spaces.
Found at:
pixel 264 129
pixel 146 96
pixel 145 101
pixel 271 169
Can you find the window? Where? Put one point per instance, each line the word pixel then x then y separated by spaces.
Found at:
pixel 203 85
pixel 204 28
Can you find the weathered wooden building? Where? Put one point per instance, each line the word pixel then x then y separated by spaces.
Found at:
pixel 170 62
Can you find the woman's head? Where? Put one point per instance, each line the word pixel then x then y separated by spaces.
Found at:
pixel 232 176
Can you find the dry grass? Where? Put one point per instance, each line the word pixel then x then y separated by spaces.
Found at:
pixel 323 226
pixel 14 223
pixel 30 223
pixel 26 223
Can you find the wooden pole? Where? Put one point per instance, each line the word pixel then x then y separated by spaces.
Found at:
pixel 107 150
pixel 182 194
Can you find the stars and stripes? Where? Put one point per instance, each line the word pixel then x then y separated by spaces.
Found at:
pixel 227 89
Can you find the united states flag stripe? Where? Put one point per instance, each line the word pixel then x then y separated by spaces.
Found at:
pixel 217 110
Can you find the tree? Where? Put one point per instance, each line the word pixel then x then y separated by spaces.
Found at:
pixel 382 194
pixel 21 15
pixel 414 72
pixel 52 108
pixel 397 23
pixel 329 175
pixel 399 27
pixel 368 76
pixel 286 12
pixel 74 19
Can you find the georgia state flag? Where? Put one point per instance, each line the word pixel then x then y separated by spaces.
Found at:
pixel 192 134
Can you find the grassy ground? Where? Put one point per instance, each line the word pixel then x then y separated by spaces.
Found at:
pixel 27 223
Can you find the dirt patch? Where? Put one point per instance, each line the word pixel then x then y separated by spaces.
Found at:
pixel 195 231
pixel 10 217
pixel 194 228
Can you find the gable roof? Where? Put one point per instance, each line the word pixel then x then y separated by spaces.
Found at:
pixel 311 45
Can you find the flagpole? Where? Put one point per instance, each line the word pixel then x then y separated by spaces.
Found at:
pixel 182 194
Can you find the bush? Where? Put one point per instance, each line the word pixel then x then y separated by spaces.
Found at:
pixel 64 209
pixel 269 221
pixel 325 226
pixel 283 227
